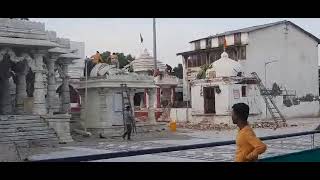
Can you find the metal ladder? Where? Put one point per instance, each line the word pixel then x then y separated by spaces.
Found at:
pixel 273 109
pixel 126 97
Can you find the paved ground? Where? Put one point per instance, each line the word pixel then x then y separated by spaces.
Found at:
pixel 163 139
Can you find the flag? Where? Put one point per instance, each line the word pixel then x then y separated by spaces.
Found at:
pixel 141 39
pixel 224 43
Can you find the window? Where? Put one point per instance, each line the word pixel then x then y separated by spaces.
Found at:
pixel 197 45
pixel 237 38
pixel 221 41
pixel 244 91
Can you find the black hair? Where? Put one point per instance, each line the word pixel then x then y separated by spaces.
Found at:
pixel 113 53
pixel 241 110
pixel 97 51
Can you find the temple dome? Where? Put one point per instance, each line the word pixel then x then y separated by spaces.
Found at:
pixel 145 63
pixel 224 67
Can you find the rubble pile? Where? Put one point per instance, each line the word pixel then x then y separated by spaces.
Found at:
pixel 268 124
pixel 209 125
pixel 206 125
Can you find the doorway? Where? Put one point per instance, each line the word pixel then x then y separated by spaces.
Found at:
pixel 209 100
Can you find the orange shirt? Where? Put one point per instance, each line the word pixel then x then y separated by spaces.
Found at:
pixel 96 58
pixel 248 145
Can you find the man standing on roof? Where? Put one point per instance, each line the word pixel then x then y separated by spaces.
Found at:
pixel 114 60
pixel 249 147
pixel 96 58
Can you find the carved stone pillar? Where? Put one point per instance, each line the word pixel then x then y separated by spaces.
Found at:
pixel 65 89
pixel 21 92
pixel 6 98
pixel 39 100
pixel 158 104
pixel 51 95
pixel 173 95
pixel 151 105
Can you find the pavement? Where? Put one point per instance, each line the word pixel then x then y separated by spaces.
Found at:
pixel 187 137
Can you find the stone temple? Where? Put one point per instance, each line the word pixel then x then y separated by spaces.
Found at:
pixel 30 59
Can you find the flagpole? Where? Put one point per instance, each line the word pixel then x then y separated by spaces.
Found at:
pixel 154 45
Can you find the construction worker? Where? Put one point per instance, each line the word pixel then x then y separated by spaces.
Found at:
pixel 249 147
pixel 96 58
pixel 114 60
pixel 128 118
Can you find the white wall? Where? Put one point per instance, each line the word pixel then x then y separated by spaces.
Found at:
pixel 203 44
pixel 222 100
pixel 180 114
pixel 215 42
pixel 197 100
pixel 297 66
pixel 230 40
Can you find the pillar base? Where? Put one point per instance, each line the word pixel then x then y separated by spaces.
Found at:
pixel 61 124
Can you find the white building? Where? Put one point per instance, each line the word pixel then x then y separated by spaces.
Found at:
pixel 280 52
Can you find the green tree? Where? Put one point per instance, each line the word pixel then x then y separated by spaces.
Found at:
pixel 122 58
pixel 178 71
pixel 202 73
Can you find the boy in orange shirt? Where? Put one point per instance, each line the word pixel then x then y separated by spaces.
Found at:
pixel 249 147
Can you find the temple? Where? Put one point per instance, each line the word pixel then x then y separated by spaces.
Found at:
pixel 31 59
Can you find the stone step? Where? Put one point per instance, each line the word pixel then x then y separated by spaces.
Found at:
pixel 21 122
pixel 15 126
pixel 29 129
pixel 28 137
pixel 29 133
pixel 18 117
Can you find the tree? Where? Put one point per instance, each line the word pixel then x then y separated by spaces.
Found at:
pixel 178 71
pixel 123 59
pixel 202 73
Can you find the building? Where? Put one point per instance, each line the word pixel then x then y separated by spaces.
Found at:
pixel 280 52
pixel 30 57
pixel 167 85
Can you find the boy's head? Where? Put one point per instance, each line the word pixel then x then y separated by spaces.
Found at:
pixel 240 112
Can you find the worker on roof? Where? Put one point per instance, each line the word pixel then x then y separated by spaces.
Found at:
pixel 114 60
pixel 96 58
pixel 249 147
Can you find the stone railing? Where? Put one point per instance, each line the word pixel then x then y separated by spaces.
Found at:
pixel 22 24
pixel 121 77
pixel 166 79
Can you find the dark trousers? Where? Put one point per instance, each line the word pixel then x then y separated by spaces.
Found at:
pixel 128 131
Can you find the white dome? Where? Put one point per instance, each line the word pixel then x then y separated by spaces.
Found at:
pixel 145 62
pixel 224 67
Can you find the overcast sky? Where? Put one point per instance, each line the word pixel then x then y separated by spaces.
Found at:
pixel 173 34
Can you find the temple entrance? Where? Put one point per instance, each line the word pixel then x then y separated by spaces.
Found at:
pixel 138 99
pixel 209 100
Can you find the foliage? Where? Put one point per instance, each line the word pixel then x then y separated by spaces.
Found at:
pixel 178 71
pixel 202 73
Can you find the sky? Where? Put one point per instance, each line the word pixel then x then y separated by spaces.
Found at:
pixel 173 34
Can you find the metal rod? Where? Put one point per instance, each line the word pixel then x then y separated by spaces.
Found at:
pixel 312 141
pixel 164 149
pixel 86 97
pixel 187 115
pixel 154 44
